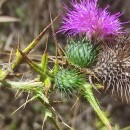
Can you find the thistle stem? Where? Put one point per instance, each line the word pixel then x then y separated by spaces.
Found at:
pixel 88 94
pixel 52 116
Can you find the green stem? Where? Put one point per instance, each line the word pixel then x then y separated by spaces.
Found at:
pixel 55 123
pixel 88 94
pixel 52 116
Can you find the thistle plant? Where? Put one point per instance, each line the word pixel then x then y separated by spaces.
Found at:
pixel 88 61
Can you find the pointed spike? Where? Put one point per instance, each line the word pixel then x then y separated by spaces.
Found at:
pixel 27 50
pixel 24 104
pixel 38 38
pixel 58 47
pixel 32 64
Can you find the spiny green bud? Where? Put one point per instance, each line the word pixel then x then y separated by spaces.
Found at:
pixel 81 53
pixel 68 80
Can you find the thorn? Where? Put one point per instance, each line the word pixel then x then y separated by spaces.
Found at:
pixel 26 99
pixel 24 56
pixel 60 118
pixel 38 38
pixel 10 56
pixel 44 122
pixel 77 99
pixel 67 125
pixel 46 44
pixel 52 27
pixel 18 95
pixel 18 44
pixel 58 47
pixel 90 80
pixel 24 104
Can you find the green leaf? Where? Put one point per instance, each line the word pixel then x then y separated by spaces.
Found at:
pixel 36 67
pixel 47 84
pixel 56 67
pixel 44 62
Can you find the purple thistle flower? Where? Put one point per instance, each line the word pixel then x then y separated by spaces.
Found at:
pixel 87 18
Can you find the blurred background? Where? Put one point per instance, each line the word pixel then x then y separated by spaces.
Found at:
pixel 26 18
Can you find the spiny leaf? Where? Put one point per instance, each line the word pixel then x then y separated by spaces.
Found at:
pixel 27 50
pixel 34 66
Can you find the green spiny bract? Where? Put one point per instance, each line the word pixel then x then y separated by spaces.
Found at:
pixel 81 53
pixel 68 80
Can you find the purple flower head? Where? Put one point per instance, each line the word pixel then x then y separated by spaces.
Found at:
pixel 87 18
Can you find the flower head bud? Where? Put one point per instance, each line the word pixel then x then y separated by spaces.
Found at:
pixel 81 52
pixel 68 80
